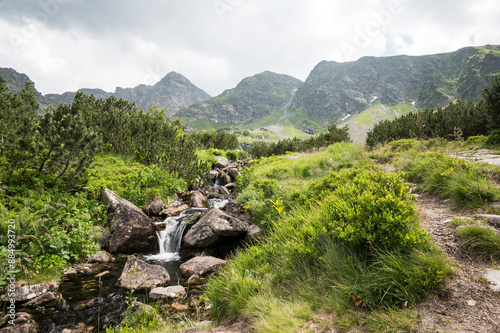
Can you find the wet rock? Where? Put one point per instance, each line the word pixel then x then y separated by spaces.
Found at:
pixel 221 162
pixel 213 226
pixel 232 172
pixel 29 327
pixel 138 274
pixel 168 292
pixel 198 200
pixel 230 186
pixel 28 292
pixel 131 230
pixel 48 299
pixel 224 191
pixel 101 256
pixel 153 207
pixel 22 323
pixel 202 265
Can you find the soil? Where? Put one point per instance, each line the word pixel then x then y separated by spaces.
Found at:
pixel 467 304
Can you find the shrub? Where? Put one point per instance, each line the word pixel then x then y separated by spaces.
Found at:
pixel 493 138
pixel 483 240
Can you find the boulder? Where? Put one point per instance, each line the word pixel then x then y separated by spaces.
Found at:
pixel 138 274
pixel 195 280
pixel 171 292
pixel 221 162
pixel 202 265
pixel 198 200
pixel 233 172
pixel 225 179
pixel 212 227
pixel 22 324
pixel 230 186
pixel 113 201
pixel 224 191
pixel 153 207
pixel 131 230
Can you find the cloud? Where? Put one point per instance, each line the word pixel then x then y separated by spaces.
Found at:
pixel 70 44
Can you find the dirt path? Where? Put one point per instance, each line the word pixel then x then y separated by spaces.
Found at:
pixel 467 304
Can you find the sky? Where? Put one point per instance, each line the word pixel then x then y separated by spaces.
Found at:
pixel 65 45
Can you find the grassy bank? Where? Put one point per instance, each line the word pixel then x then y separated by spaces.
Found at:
pixel 348 243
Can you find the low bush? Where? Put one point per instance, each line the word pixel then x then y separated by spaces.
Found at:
pixel 483 240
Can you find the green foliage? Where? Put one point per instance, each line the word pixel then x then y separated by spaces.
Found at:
pixel 215 139
pixel 333 135
pixel 132 180
pixel 491 97
pixel 493 138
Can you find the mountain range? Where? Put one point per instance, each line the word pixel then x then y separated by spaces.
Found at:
pixel 357 94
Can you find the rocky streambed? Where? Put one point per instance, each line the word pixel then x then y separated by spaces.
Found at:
pixel 160 254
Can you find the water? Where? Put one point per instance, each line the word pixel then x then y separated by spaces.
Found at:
pixel 170 236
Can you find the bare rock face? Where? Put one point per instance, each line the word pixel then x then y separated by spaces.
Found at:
pixel 138 274
pixel 212 227
pixel 28 292
pixel 201 266
pixel 132 231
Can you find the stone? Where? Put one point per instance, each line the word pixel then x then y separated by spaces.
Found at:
pixel 213 226
pixel 179 307
pixel 28 292
pixel 204 324
pixel 132 231
pixel 49 299
pixel 174 209
pixel 471 302
pixel 225 179
pixel 101 256
pixel 198 200
pixel 491 218
pixel 138 274
pixel 221 162
pixel 113 201
pixel 254 233
pixel 493 277
pixel 29 327
pixel 168 292
pixel 195 280
pixel 224 191
pixel 230 186
pixel 233 173
pixel 153 207
pixel 201 265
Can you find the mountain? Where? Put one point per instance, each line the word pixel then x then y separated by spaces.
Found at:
pixel 335 90
pixel 173 92
pixel 254 98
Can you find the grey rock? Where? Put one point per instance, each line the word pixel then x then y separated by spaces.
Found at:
pixel 201 265
pixel 48 299
pixel 196 280
pixel 492 219
pixel 493 277
pixel 101 256
pixel 221 162
pixel 174 209
pixel 153 207
pixel 28 292
pixel 213 226
pixel 138 274
pixel 198 200
pixel 171 292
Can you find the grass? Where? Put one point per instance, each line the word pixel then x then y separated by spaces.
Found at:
pixel 480 239
pixel 328 249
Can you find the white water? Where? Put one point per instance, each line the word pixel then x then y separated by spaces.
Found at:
pixel 170 238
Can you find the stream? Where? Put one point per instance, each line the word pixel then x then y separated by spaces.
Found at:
pixel 94 299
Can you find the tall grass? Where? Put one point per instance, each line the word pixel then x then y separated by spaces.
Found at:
pixel 482 240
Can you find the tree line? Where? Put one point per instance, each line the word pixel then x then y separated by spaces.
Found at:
pixel 333 135
pixel 456 121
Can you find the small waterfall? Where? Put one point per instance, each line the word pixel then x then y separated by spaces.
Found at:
pixel 217 181
pixel 169 239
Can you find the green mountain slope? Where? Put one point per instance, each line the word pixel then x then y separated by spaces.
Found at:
pixel 334 90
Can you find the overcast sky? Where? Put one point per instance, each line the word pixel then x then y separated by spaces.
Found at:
pixel 65 45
